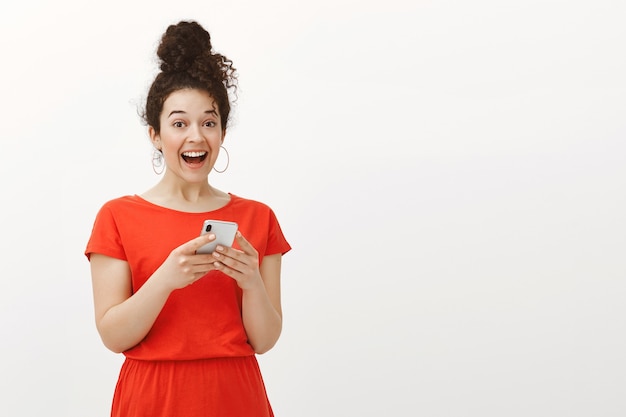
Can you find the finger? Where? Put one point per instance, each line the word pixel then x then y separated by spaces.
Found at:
pixel 228 256
pixel 194 244
pixel 229 267
pixel 243 243
pixel 246 246
pixel 202 264
pixel 202 261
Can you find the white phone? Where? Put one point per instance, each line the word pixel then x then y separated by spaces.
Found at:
pixel 224 234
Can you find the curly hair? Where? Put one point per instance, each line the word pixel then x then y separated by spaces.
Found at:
pixel 187 60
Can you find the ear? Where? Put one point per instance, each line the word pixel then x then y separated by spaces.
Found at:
pixel 155 138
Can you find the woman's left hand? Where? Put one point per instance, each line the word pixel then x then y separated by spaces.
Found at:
pixel 241 265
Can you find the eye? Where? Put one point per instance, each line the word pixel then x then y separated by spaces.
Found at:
pixel 210 123
pixel 178 123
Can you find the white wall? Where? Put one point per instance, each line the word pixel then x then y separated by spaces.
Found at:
pixel 451 175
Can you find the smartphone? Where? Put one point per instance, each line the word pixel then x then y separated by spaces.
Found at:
pixel 224 234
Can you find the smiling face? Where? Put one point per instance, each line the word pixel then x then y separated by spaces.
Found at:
pixel 191 134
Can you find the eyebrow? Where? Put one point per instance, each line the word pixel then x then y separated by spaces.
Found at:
pixel 214 112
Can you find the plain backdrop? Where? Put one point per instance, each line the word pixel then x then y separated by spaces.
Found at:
pixel 451 175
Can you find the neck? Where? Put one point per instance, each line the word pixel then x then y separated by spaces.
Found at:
pixel 190 197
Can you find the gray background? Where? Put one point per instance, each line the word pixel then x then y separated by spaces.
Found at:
pixel 450 174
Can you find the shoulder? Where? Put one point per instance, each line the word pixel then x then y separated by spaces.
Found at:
pixel 121 201
pixel 127 202
pixel 251 208
pixel 249 204
pixel 123 206
pixel 259 224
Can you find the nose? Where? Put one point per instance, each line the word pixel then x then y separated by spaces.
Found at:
pixel 194 133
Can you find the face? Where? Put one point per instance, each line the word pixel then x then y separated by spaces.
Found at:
pixel 191 134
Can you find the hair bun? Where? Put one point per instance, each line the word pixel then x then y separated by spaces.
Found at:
pixel 187 60
pixel 181 45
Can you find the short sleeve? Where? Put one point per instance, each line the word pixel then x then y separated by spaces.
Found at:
pixel 105 237
pixel 276 241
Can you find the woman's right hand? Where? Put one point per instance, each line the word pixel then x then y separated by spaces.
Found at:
pixel 184 266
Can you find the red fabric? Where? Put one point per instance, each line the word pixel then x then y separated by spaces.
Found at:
pixel 221 387
pixel 199 322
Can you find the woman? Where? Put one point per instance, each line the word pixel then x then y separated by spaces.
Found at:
pixel 189 324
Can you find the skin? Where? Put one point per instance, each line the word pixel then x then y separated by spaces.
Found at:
pixel 190 121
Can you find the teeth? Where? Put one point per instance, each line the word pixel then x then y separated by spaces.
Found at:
pixel 193 154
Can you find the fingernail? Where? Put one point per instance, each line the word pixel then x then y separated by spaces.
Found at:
pixel 219 248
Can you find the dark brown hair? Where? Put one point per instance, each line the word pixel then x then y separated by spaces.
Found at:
pixel 187 60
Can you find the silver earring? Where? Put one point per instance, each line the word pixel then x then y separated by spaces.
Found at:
pixel 158 166
pixel 227 161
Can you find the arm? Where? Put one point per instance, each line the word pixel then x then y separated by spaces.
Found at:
pixel 123 319
pixel 262 312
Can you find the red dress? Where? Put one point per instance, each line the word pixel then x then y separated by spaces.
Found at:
pixel 196 360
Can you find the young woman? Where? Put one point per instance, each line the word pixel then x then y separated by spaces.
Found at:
pixel 189 324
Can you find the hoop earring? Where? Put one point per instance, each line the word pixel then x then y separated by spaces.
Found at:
pixel 227 161
pixel 157 161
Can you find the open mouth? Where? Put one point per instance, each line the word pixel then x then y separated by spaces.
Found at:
pixel 194 157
